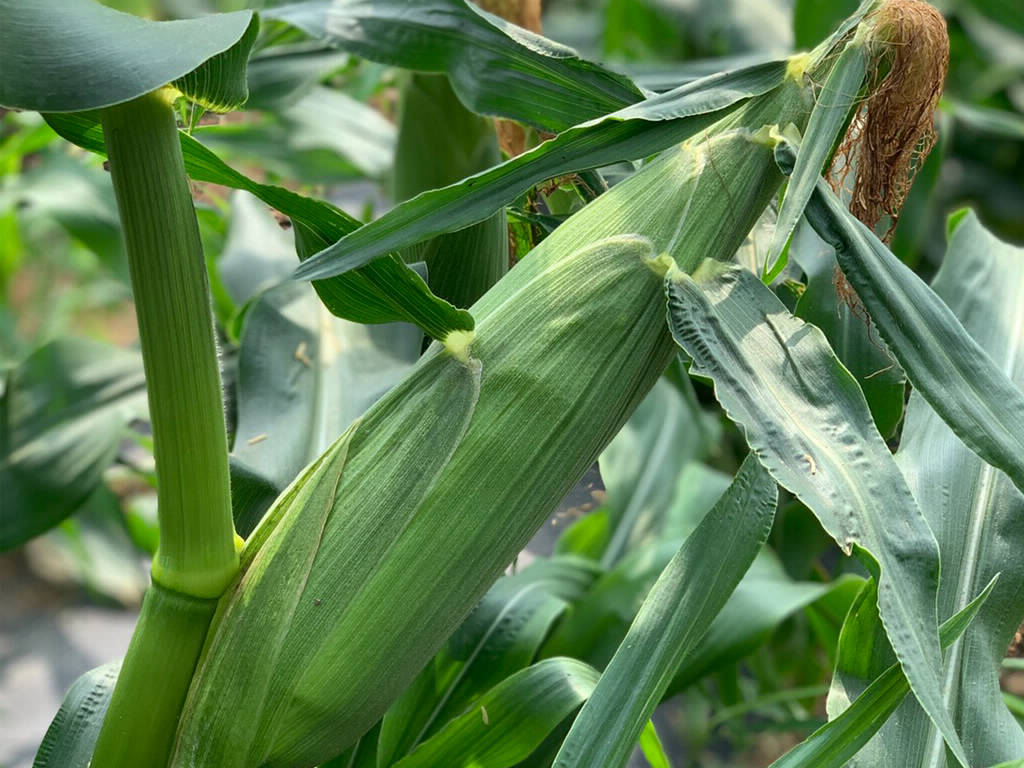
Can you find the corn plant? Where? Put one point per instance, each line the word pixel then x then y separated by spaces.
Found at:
pixel 364 618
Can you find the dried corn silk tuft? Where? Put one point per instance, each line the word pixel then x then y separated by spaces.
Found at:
pixel 893 131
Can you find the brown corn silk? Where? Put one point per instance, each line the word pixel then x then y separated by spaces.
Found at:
pixel 893 131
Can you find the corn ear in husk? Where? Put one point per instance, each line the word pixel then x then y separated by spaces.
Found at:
pixel 421 517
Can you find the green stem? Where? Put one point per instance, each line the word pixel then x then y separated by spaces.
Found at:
pixel 141 721
pixel 196 558
pixel 172 299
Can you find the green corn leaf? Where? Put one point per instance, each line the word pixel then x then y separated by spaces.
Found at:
pixel 951 370
pixel 62 414
pixel 835 744
pixel 806 418
pixel 763 600
pixel 640 467
pixel 849 330
pixel 71 737
pixel 974 511
pixel 75 55
pixel 281 75
pixel 385 292
pixel 650 745
pixel 510 720
pixel 498 639
pixel 831 111
pixel 599 619
pixel 305 375
pixel 495 67
pixel 687 596
pixel 636 131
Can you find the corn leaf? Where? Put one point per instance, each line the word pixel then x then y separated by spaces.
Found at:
pixel 386 292
pixel 953 373
pixel 280 75
pixel 636 131
pixel 974 511
pixel 498 639
pixel 511 720
pixel 689 593
pixel 640 467
pixel 650 745
pixel 849 330
pixel 835 744
pixel 806 418
pixel 74 55
pixel 764 599
pixel 831 110
pixel 322 137
pixel 62 413
pixel 71 737
pixel 305 375
pixel 495 67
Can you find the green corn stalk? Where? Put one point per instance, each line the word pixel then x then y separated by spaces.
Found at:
pixel 440 142
pixel 370 560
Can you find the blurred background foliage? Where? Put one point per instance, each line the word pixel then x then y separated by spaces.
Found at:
pixel 322 121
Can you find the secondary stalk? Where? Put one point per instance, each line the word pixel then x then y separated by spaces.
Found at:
pixel 196 558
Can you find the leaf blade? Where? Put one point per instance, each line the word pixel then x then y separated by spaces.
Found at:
pixel 828 117
pixel 76 55
pixel 636 131
pixel 511 720
pixel 949 368
pixel 674 616
pixel 386 291
pixel 805 416
pixel 71 737
pixel 832 745
pixel 495 67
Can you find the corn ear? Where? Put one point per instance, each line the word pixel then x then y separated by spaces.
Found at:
pixel 424 516
pixel 440 142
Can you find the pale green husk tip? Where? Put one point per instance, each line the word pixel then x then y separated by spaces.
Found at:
pixel 457 344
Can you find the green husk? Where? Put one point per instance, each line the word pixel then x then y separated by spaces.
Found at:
pixel 419 525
